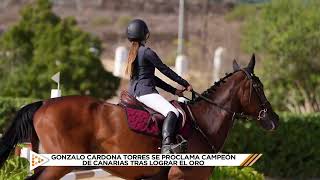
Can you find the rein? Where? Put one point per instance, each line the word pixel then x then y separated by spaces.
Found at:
pixel 234 114
pixel 211 102
pixel 195 124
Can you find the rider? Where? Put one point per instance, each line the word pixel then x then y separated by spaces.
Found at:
pixel 141 65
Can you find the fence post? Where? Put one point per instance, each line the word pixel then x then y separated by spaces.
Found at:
pixel 217 60
pixel 121 56
pixel 181 69
pixel 181 65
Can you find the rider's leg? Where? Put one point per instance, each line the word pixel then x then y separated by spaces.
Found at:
pixel 157 102
pixel 160 104
pixel 169 132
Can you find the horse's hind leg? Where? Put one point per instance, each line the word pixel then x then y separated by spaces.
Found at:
pixel 53 173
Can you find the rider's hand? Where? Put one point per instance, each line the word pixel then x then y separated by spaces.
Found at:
pixel 179 93
pixel 189 88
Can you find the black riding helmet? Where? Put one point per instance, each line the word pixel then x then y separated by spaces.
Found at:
pixel 137 30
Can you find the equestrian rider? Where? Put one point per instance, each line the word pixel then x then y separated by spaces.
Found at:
pixel 141 65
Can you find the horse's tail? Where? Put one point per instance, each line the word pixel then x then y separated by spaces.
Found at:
pixel 20 130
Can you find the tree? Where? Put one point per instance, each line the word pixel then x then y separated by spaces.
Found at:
pixel 40 45
pixel 286 33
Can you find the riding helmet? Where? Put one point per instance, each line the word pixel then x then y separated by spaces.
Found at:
pixel 137 30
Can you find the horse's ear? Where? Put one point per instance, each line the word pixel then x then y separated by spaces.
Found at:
pixel 252 63
pixel 235 65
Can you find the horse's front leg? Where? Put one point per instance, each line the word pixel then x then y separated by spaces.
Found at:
pixel 196 144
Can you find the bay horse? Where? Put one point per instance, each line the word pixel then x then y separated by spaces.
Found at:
pixel 82 124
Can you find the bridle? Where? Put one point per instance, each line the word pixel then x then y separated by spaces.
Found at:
pixel 257 87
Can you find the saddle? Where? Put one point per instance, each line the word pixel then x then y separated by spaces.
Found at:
pixel 145 120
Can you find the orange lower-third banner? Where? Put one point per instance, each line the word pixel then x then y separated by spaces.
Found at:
pixel 219 159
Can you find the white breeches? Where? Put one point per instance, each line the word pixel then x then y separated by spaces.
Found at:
pixel 158 103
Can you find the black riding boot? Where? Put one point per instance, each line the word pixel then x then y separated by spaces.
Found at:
pixel 169 132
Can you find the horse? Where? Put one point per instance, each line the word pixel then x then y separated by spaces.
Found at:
pixel 82 124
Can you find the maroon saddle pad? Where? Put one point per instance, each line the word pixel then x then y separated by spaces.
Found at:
pixel 142 119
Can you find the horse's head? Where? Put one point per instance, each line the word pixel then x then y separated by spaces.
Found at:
pixel 253 100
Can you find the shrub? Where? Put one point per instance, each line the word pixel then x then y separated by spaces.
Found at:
pixel 236 173
pixel 15 168
pixel 8 108
pixel 285 33
pixel 40 45
pixel 291 151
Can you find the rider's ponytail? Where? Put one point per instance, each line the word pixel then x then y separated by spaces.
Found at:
pixel 132 56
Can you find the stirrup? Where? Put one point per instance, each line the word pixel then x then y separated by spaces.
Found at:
pixel 166 149
pixel 180 147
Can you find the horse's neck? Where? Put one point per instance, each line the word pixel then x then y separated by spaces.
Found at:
pixel 212 120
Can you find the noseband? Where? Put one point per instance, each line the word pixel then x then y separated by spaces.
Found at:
pixel 264 105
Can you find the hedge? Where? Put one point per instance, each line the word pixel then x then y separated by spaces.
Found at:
pixel 290 151
pixel 8 108
pixel 236 173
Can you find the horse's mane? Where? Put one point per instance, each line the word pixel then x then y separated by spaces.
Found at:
pixel 213 88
